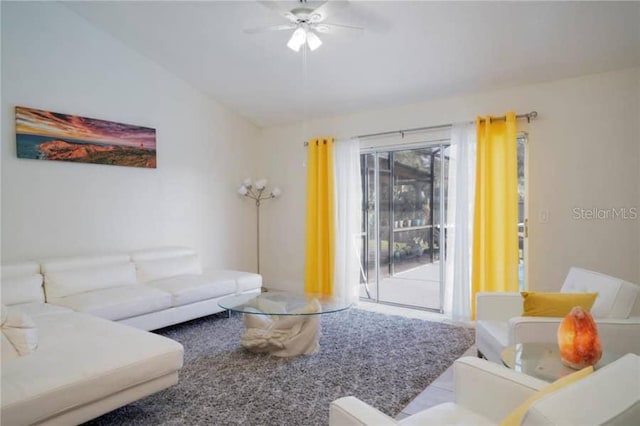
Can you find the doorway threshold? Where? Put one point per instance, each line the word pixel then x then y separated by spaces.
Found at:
pixel 383 308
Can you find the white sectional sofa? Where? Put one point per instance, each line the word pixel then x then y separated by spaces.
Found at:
pixel 147 289
pixel 83 367
pixel 22 288
pixel 92 355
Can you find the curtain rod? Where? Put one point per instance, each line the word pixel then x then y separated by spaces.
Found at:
pixel 528 116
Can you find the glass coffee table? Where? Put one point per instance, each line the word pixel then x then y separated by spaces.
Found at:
pixel 283 323
pixel 542 360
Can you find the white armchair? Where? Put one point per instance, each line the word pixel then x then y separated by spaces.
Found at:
pixel 485 393
pixel 616 311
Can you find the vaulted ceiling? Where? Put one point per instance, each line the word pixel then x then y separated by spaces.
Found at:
pixel 409 51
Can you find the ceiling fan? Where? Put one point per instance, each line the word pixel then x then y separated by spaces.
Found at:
pixel 306 22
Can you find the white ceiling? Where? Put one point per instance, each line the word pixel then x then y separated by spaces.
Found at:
pixel 409 51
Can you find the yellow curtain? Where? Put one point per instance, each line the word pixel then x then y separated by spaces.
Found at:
pixel 320 218
pixel 495 234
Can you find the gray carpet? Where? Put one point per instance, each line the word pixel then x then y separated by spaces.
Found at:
pixel 384 360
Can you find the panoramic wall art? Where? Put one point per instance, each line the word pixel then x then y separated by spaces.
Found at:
pixel 45 135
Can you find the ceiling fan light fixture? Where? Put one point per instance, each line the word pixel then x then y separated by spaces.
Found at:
pixel 307 23
pixel 298 38
pixel 313 41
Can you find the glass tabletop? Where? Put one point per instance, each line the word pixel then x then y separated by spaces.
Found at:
pixel 542 360
pixel 284 303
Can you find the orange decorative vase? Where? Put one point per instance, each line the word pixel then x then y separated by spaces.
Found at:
pixel 578 339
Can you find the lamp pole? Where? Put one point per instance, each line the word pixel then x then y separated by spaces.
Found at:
pixel 256 192
pixel 258 230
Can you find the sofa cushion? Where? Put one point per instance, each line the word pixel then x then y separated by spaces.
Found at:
pixel 193 288
pixel 448 413
pixel 117 303
pixel 9 352
pixel 81 359
pixel 245 281
pixel 616 297
pixel 21 283
pixel 22 289
pixel 74 281
pixel 157 269
pixel 82 262
pixel 37 309
pixel 544 304
pixel 20 269
pixel 20 330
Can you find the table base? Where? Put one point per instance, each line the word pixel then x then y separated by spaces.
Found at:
pixel 282 335
pixel 298 335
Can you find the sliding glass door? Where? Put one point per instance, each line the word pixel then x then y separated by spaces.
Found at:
pixel 404 194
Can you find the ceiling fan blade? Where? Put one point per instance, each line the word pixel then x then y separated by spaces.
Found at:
pixel 327 28
pixel 281 27
pixel 327 9
pixel 280 9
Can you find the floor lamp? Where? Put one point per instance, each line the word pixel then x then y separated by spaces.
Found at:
pixel 256 192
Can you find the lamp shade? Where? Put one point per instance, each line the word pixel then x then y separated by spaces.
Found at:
pixel 261 184
pixel 313 41
pixel 243 190
pixel 298 38
pixel 578 339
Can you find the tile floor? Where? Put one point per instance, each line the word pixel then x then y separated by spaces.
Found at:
pixel 418 286
pixel 441 390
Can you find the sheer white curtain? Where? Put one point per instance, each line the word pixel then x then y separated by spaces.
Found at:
pixel 348 207
pixel 460 199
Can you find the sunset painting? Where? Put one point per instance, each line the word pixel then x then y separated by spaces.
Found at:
pixel 44 135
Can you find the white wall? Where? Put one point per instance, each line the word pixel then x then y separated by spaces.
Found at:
pixel 638 121
pixel 54 60
pixel 585 152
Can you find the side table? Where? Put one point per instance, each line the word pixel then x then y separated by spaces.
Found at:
pixel 542 360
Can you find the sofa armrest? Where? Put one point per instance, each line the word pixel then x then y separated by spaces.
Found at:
pixel 350 411
pixel 490 389
pixel 498 306
pixel 620 335
pixel 533 329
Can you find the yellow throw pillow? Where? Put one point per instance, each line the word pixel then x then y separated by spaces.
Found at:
pixel 516 416
pixel 539 304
